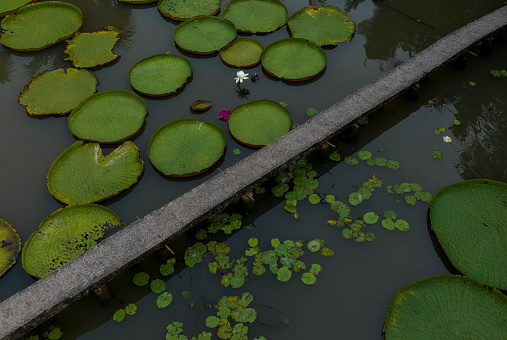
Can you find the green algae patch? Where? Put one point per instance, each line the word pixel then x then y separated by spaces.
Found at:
pixel 243 52
pixel 186 147
pixel 108 116
pixel 87 50
pixel 204 35
pixel 256 16
pixel 58 91
pixel 259 122
pixel 181 10
pixel 294 59
pixel 160 75
pixel 65 234
pixel 322 24
pixel 10 245
pixel 447 306
pixel 11 6
pixel 469 221
pixel 37 26
pixel 81 174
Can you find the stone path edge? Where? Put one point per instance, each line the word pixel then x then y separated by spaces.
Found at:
pixel 48 296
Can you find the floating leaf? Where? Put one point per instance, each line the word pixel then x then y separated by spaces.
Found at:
pixel 275 242
pixel 437 154
pixel 308 278
pixel 193 254
pixel 314 199
pixel 389 214
pixel 394 165
pixel 456 122
pixel 364 155
pixel 355 198
pixel 253 242
pixel 283 274
pixel 201 106
pixel 347 233
pixel 10 245
pixel 472 83
pixel 330 198
pixel 157 286
pixel 181 10
pixel 130 309
pixel 381 161
pixel 164 300
pixel 11 6
pixel 410 200
pixel 311 112
pixel 316 268
pixel 87 50
pixel 315 245
pixel 370 237
pixel 401 225
pixel 256 16
pixel 119 315
pixel 370 218
pixel 167 268
pixel 351 160
pixel 141 279
pixel 388 224
pixel 335 156
pixel 56 333
pixel 212 321
pixel 243 52
pixel 248 314
pixel 327 252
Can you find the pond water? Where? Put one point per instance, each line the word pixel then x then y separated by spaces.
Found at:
pixel 356 284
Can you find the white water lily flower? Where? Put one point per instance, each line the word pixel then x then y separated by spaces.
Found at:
pixel 241 76
pixel 447 139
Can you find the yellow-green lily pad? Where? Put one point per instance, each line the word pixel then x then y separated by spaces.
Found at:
pixel 243 52
pixel 138 2
pixel 181 10
pixel 10 245
pixel 11 6
pixel 256 16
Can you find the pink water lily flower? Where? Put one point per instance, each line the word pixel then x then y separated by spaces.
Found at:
pixel 224 114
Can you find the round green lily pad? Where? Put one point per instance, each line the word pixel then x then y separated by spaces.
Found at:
pixel 243 52
pixel 469 220
pixel 204 35
pixel 186 147
pixel 57 91
pixel 444 307
pixel 108 116
pixel 10 245
pixel 259 122
pixel 182 10
pixel 160 74
pixel 40 25
pixel 87 50
pixel 11 6
pixel 81 174
pixel 322 24
pixel 256 16
pixel 293 59
pixel 65 234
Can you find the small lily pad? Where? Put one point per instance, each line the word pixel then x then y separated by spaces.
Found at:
pixel 10 245
pixel 119 315
pixel 141 279
pixel 370 218
pixel 256 16
pixel 314 199
pixel 243 52
pixel 130 309
pixel 157 286
pixel 137 2
pixel 388 224
pixel 164 300
pixel 11 6
pixel 401 225
pixel 181 10
pixel 310 112
pixel 308 278
pixel 364 155
pixel 201 106
pixel 284 274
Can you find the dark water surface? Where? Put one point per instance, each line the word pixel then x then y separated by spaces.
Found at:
pixel 354 289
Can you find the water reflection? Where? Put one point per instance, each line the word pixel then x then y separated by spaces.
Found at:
pixel 6 67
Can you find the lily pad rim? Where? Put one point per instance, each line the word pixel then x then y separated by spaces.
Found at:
pixel 2 221
pixel 4 14
pixel 226 8
pixel 181 19
pixel 250 40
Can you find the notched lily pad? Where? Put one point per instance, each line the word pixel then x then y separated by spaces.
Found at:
pixel 10 245
pixel 87 50
pixel 11 6
pixel 57 91
pixel 243 52
pixel 201 106
pixel 256 16
pixel 81 174
pixel 186 147
pixel 40 25
pixel 65 234
pixel 182 10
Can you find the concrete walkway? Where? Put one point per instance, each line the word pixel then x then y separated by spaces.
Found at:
pixel 48 296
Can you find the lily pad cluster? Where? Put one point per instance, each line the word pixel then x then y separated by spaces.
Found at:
pixel 223 222
pixel 10 246
pixel 390 222
pixel 120 314
pixel 406 188
pixel 175 328
pixel 157 286
pixel 365 155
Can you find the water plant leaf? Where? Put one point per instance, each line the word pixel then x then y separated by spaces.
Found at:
pixel 315 245
pixel 381 161
pixel 259 122
pixel 471 83
pixel 88 50
pixel 370 236
pixel 160 75
pixel 181 10
pixel 56 333
pixel 311 112
pixel 351 160
pixel 204 35
pixel 330 198
pixel 10 245
pixel 468 219
pixel 327 252
pixel 40 25
pixel 157 286
pixel 314 199
pixel 293 59
pixel 130 309
pixel 141 279
pixel 201 106
pixel 440 305
pixel 108 116
pixel 410 200
pixel 58 91
pixel 11 6
pixel 456 122
pixel 335 156
pixel 194 253
pixel 355 198
pixel 164 300
pixel 347 233
pixel 401 225
pixel 308 278
pixel 76 175
pixel 370 218
pixel 167 268
pixel 315 269
pixel 283 274
pixel 119 315
pixel 186 147
pixel 65 234
pixel 256 16
pixel 394 165
pixel 388 224
pixel 212 321
pixel 364 155
pixel 243 52
pixel 275 242
pixel 322 24
pixel 248 315
pixel 437 154
pixel 389 214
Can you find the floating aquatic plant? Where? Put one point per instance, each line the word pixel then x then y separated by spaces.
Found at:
pixel 167 268
pixel 157 286
pixel 130 309
pixel 10 245
pixel 335 156
pixel 225 223
pixel 405 188
pixel 437 154
pixel 498 73
pixel 236 151
pixel 256 16
pixel 141 279
pixel 119 315
pixel 194 253
pixel 181 10
pixel 311 112
pixel 164 300
pixel 243 52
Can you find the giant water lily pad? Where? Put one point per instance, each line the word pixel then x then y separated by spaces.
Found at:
pixel 244 52
pixel 186 147
pixel 81 174
pixel 293 59
pixel 40 25
pixel 87 50
pixel 11 6
pixel 204 35
pixel 108 116
pixel 259 122
pixel 322 24
pixel 160 75
pixel 445 307
pixel 10 245
pixel 469 220
pixel 138 2
pixel 182 10
pixel 256 16
pixel 57 91
pixel 65 234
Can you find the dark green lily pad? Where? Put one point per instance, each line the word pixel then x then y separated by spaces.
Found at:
pixel 447 306
pixel 186 147
pixel 137 2
pixel 469 220
pixel 204 35
pixel 201 106
pixel 81 174
pixel 182 10
pixel 10 245
pixel 87 50
pixel 243 52
pixel 256 16
pixel 57 91
pixel 322 24
pixel 259 122
pixel 65 234
pixel 293 59
pixel 160 74
pixel 40 25
pixel 108 116
pixel 11 6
